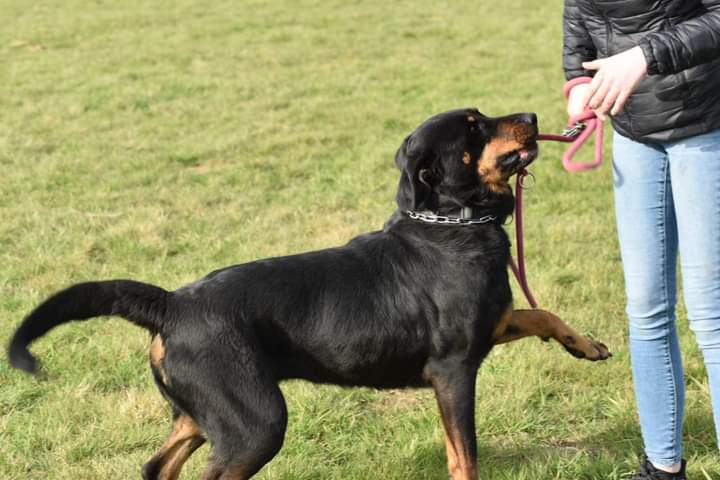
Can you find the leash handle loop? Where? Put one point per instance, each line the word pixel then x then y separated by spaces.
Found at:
pixel 570 84
pixel 577 137
pixel 591 122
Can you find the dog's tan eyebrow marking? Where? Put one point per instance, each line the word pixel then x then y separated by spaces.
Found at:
pixel 471 119
pixel 466 158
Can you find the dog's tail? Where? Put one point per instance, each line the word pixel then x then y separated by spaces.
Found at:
pixel 143 304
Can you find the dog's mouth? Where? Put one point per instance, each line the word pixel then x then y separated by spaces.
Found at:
pixel 515 160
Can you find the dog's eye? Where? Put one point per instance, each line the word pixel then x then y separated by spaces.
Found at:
pixel 475 124
pixel 476 127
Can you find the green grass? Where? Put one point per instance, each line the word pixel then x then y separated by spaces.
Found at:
pixel 161 140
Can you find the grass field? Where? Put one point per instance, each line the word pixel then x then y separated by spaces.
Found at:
pixel 161 140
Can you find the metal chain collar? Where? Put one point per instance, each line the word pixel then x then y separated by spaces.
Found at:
pixel 445 220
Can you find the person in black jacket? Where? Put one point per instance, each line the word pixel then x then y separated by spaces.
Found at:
pixel 656 74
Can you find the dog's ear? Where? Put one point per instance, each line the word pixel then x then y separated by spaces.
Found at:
pixel 417 177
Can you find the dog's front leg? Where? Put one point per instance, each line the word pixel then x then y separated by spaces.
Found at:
pixel 517 324
pixel 454 386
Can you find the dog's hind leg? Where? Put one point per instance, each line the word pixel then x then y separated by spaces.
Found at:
pixel 183 441
pixel 223 380
pixel 454 387
pixel 238 403
pixel 517 324
pixel 218 470
pixel 247 437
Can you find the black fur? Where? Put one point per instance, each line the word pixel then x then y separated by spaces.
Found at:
pixel 144 305
pixel 411 305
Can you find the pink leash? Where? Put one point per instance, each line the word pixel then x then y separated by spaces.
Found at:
pixel 579 129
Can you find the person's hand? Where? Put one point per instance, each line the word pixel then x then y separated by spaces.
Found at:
pixel 615 80
pixel 577 99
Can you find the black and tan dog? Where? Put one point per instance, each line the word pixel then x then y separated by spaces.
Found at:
pixel 418 304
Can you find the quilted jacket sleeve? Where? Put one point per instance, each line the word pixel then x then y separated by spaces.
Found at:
pixel 686 44
pixel 577 44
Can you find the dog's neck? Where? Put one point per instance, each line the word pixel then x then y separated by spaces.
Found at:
pixel 491 204
pixel 456 204
pixel 495 212
pixel 464 216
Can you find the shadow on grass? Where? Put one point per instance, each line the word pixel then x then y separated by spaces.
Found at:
pixel 609 454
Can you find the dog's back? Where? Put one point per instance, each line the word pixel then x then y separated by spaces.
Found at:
pixel 362 314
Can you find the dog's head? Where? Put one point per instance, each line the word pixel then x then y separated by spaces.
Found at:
pixel 462 158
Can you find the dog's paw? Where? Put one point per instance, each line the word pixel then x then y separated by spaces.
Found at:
pixel 586 347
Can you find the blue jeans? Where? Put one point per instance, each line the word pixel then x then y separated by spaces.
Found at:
pixel 667 198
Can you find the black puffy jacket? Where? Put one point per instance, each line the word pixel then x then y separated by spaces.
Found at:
pixel 681 42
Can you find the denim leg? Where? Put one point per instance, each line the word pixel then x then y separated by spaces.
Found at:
pixel 648 245
pixel 695 174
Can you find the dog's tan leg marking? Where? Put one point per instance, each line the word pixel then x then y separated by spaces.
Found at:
pixel 460 465
pixel 452 456
pixel 540 323
pixel 183 441
pixel 461 458
pixel 502 325
pixel 157 355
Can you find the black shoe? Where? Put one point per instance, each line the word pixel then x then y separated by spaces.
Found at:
pixel 649 472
